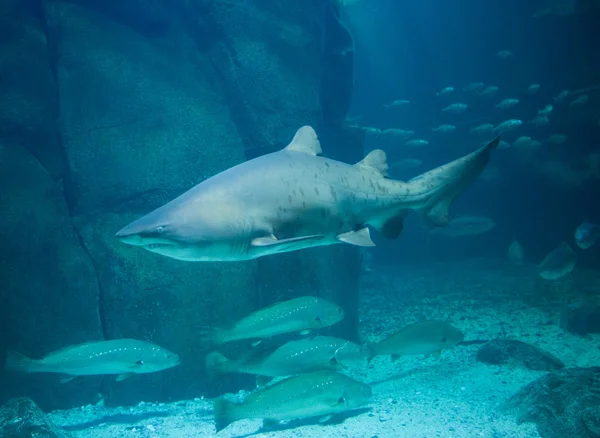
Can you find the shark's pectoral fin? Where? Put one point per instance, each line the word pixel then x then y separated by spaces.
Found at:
pixel 306 142
pixel 284 244
pixel 375 161
pixel 358 238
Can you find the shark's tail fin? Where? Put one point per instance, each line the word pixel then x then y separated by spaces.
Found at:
pixel 19 362
pixel 225 413
pixel 216 364
pixel 441 186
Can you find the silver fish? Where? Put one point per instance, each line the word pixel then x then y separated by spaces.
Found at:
pixel 314 394
pixel 294 357
pixel 124 357
pixel 301 314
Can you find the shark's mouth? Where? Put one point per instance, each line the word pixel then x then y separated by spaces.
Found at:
pixel 153 246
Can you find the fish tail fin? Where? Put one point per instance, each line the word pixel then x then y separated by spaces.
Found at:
pixel 19 362
pixel 216 364
pixel 441 186
pixel 225 413
pixel 211 336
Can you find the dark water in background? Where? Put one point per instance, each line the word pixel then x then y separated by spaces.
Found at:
pixel 410 50
pixel 404 50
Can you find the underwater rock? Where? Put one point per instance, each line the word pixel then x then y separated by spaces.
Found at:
pixel 29 105
pixel 562 404
pixel 581 319
pixel 512 352
pixel 22 418
pixel 51 293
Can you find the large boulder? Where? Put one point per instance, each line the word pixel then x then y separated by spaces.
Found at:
pixel 49 296
pixel 22 418
pixel 518 353
pixel 564 403
pixel 142 120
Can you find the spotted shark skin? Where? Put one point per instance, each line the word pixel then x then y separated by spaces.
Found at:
pixel 295 199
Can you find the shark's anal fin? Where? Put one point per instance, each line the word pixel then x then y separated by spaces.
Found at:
pixel 361 237
pixel 392 228
pixel 305 141
pixel 375 160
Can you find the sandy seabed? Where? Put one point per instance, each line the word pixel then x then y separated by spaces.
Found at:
pixel 414 397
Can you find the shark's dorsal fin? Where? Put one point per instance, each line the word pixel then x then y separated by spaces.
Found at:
pixel 375 160
pixel 305 141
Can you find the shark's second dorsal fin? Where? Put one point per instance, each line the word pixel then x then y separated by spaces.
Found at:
pixel 375 160
pixel 305 141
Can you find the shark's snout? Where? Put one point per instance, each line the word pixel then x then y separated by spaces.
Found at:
pixel 141 232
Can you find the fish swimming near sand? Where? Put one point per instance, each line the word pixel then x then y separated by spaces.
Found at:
pixel 301 314
pixel 427 337
pixel 317 394
pixel 294 199
pixel 294 357
pixel 124 357
pixel 558 262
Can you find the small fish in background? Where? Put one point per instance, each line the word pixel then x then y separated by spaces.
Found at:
pixel 558 262
pixel 561 96
pixel 465 226
pixel 546 111
pixel 540 120
pixel 396 104
pixel 294 357
pixel 533 88
pixel 395 133
pixel 507 125
pixel 522 142
pixel 503 54
pixel 445 91
pixel 301 314
pixel 123 357
pixel 489 91
pixel 516 253
pixel 587 234
pixel 354 120
pixel 556 139
pixel 416 143
pixel 444 128
pixel 456 108
pixel 474 87
pixel 581 100
pixel 503 144
pixel 427 337
pixel 482 129
pixel 508 103
pixel 406 164
pixel 320 393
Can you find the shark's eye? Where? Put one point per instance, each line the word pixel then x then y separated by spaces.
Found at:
pixel 160 229
pixel 140 362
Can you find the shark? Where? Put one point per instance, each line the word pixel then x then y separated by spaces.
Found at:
pixel 294 199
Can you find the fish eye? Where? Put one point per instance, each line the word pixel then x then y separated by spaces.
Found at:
pixel 160 229
pixel 140 362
